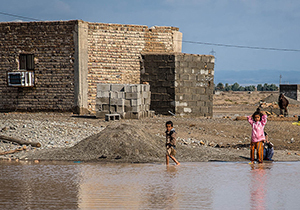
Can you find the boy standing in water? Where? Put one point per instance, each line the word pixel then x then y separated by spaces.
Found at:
pixel 170 143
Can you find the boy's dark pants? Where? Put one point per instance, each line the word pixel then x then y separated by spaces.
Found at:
pixel 259 146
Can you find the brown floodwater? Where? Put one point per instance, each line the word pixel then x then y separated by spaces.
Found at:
pixel 204 185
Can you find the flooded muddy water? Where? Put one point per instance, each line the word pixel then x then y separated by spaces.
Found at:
pixel 204 185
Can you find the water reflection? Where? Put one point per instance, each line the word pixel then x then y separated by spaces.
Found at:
pixel 258 185
pixel 149 186
pixel 28 186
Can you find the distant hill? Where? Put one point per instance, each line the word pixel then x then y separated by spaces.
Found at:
pixel 246 77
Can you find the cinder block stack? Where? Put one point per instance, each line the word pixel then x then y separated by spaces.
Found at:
pixel 131 101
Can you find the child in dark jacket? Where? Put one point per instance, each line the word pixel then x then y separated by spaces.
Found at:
pixel 170 143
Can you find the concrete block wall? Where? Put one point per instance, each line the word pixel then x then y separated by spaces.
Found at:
pixel 180 83
pixel 290 90
pixel 130 101
pixel 159 71
pixel 52 44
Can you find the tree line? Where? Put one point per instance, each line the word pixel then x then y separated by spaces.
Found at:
pixel 237 87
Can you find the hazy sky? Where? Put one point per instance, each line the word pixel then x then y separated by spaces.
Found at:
pixel 255 23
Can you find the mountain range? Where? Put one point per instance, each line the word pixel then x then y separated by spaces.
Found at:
pixel 254 77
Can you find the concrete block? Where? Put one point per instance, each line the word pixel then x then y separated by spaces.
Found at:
pixel 105 107
pixel 103 100
pixel 139 88
pixel 187 97
pixel 147 101
pixel 101 114
pixel 98 107
pixel 112 117
pixel 134 89
pixel 200 103
pixel 167 84
pixel 200 90
pixel 146 95
pixel 103 87
pixel 135 115
pixel 136 102
pixel 113 94
pixel 117 101
pixel 143 107
pixel 147 88
pixel 134 95
pixel 150 113
pixel 188 83
pixel 136 108
pixel 113 109
pixel 196 97
pixel 162 90
pixel 123 115
pixel 128 108
pixel 204 109
pixel 120 109
pixel 101 94
pixel 117 87
pixel 127 88
pixel 193 64
pixel 127 102
pixel 192 103
pixel 121 94
pixel 204 97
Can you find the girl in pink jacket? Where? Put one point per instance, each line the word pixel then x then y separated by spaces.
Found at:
pixel 258 121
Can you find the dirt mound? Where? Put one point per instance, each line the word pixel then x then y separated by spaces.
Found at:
pixel 271 98
pixel 118 142
pixel 274 98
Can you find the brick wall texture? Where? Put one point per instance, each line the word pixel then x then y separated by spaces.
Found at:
pixel 113 57
pixel 180 83
pixel 53 47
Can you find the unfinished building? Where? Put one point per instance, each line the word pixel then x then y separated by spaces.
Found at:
pixel 56 65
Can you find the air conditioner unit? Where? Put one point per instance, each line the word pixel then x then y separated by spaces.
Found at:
pixel 20 79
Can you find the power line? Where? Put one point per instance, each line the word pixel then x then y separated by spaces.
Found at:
pixel 242 46
pixel 193 42
pixel 19 16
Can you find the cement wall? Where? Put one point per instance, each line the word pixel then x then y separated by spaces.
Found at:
pixel 291 91
pixel 180 83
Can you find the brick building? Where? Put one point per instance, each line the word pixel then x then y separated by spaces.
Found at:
pixel 59 64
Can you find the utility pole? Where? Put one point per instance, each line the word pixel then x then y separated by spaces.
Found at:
pixel 280 79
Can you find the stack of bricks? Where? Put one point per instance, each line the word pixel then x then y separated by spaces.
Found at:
pixel 131 101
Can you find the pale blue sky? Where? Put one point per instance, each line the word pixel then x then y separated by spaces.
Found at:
pixel 257 23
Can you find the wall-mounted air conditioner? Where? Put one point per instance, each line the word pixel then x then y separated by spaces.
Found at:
pixel 20 79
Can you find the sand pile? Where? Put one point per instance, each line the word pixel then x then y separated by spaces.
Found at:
pixel 118 142
pixel 274 98
pixel 271 98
